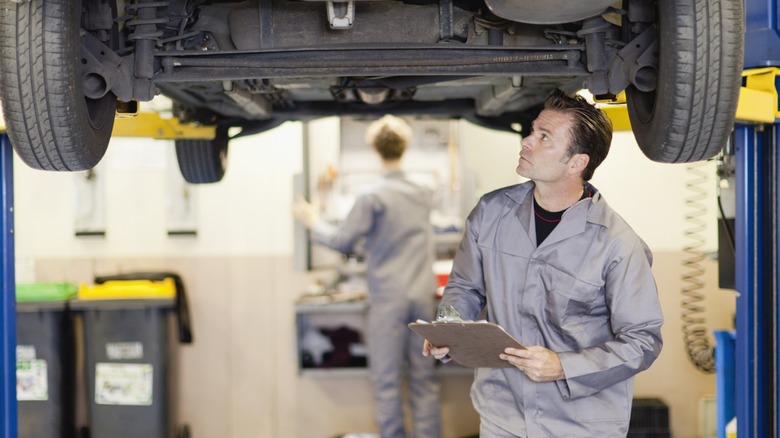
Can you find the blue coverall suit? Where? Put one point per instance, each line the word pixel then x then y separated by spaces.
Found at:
pixel 394 218
pixel 587 293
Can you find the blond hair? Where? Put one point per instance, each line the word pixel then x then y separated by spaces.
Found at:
pixel 389 136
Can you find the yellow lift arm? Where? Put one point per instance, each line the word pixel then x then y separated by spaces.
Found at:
pixel 758 98
pixel 618 114
pixel 151 125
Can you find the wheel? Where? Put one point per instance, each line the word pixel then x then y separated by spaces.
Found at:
pixel 203 161
pixel 51 123
pixel 689 116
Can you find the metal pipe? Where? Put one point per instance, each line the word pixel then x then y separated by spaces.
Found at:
pixel 375 62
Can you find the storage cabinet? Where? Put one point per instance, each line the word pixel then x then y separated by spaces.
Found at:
pixel 331 338
pixel 331 341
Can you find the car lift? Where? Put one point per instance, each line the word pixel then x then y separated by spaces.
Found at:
pixel 756 141
pixel 757 238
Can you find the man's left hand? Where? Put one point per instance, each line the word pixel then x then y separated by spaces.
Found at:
pixel 538 363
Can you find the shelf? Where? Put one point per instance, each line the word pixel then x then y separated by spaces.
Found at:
pixel 333 372
pixel 454 370
pixel 345 307
pixel 452 238
pixel 445 371
pixel 351 314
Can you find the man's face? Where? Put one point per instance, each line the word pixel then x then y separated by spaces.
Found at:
pixel 544 154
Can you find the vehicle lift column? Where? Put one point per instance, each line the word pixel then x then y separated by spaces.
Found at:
pixel 756 238
pixel 8 413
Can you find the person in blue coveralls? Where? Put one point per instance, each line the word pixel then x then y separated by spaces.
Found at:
pixel 392 218
pixel 564 274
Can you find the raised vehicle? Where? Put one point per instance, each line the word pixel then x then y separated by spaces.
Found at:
pixel 66 67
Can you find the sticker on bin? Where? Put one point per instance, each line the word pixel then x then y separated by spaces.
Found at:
pixel 124 350
pixel 31 380
pixel 128 384
pixel 25 352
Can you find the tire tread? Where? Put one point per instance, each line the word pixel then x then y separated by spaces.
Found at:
pixel 699 82
pixel 46 113
pixel 200 161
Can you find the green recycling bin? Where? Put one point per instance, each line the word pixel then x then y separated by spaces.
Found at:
pixel 126 356
pixel 45 360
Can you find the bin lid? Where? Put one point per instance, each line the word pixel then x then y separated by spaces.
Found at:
pixel 161 304
pixel 129 290
pixel 39 292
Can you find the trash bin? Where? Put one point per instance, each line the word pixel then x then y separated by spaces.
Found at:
pixel 45 361
pixel 126 355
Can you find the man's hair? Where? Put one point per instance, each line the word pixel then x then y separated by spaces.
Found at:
pixel 591 132
pixel 389 136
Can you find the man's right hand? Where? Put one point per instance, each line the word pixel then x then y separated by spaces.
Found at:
pixel 306 213
pixel 438 353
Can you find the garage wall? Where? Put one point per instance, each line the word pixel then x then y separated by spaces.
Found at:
pixel 239 379
pixel 248 213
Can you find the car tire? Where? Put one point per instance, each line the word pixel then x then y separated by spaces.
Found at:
pixel 203 161
pixel 50 122
pixel 690 114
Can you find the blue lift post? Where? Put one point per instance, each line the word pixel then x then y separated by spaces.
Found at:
pixel 756 260
pixel 757 242
pixel 8 414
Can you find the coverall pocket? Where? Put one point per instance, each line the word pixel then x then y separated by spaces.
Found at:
pixel 491 382
pixel 568 299
pixel 611 404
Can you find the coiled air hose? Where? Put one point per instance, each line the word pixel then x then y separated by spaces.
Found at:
pixel 695 337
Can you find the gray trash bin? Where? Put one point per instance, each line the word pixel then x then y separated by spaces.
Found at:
pixel 126 356
pixel 45 361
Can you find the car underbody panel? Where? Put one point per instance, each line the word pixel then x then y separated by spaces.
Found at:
pixel 250 62
pixel 255 64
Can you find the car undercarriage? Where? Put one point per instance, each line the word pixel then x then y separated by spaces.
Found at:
pixel 258 63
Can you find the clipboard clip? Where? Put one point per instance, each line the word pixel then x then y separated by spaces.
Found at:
pixel 448 314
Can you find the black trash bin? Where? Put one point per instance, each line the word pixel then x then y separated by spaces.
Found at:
pixel 126 355
pixel 45 361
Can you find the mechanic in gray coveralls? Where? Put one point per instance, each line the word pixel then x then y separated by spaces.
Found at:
pixel 393 217
pixel 566 276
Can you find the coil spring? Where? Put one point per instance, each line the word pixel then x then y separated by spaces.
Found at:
pixel 697 343
pixel 142 18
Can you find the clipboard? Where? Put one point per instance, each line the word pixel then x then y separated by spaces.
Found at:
pixel 471 344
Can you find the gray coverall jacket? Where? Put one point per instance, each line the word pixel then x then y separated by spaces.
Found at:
pixel 587 293
pixel 393 217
